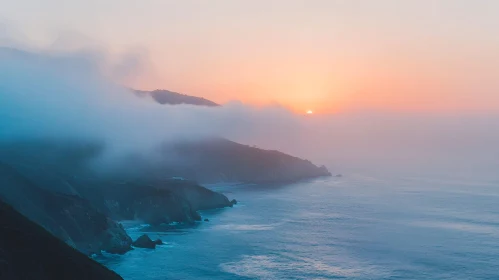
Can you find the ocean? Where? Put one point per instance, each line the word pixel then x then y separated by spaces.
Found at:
pixel 352 227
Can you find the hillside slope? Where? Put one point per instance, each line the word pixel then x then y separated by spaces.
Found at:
pixel 68 217
pixel 28 251
pixel 217 159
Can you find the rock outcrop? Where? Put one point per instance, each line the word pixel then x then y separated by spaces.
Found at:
pixel 150 204
pixel 28 251
pixel 144 241
pixel 199 197
pixel 158 202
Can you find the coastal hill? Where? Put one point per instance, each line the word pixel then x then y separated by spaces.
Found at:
pixel 174 98
pixel 221 160
pixel 51 182
pixel 156 201
pixel 72 192
pixel 86 219
pixel 71 218
pixel 28 251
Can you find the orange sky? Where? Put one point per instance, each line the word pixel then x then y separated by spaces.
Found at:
pixel 323 55
pixel 406 79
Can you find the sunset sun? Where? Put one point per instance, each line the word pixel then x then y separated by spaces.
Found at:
pixel 310 112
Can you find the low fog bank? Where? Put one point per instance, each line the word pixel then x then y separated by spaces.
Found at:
pixel 49 97
pixel 458 146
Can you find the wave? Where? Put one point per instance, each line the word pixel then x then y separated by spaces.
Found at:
pixel 286 267
pixel 245 227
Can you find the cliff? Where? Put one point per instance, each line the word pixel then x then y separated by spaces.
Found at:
pixel 28 251
pixel 69 217
pixel 200 198
pixel 157 202
pixel 86 221
pixel 52 185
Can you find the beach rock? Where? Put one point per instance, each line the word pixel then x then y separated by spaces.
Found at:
pixel 116 240
pixel 158 242
pixel 145 242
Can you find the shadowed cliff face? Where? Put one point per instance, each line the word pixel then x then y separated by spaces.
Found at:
pixel 28 251
pixel 52 165
pixel 145 202
pixel 84 220
pixel 69 217
pixel 57 185
pixel 54 184
pixel 157 202
pixel 199 198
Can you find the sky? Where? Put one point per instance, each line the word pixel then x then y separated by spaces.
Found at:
pixel 327 56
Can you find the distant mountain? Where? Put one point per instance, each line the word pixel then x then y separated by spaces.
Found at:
pixel 28 251
pixel 174 98
pixel 218 159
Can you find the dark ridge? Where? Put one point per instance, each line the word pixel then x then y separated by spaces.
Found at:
pixel 71 218
pixel 157 201
pixel 216 160
pixel 28 251
pixel 174 98
pixel 51 184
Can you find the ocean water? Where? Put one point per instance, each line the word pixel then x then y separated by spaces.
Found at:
pixel 353 227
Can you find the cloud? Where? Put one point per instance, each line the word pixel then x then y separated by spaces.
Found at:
pixel 70 95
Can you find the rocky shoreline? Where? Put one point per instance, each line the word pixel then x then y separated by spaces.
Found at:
pixel 50 185
pixel 87 221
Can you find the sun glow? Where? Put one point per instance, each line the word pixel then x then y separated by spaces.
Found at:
pixel 310 112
